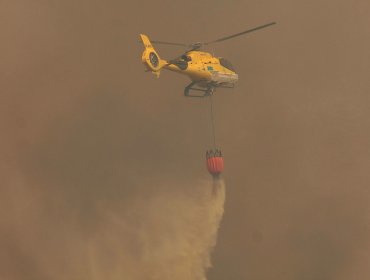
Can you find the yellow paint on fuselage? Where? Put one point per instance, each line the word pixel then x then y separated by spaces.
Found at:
pixel 201 66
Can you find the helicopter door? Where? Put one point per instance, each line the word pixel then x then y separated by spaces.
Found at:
pixel 202 66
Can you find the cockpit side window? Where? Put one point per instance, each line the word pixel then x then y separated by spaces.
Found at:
pixel 186 58
pixel 226 64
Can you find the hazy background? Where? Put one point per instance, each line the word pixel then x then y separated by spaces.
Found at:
pixel 83 125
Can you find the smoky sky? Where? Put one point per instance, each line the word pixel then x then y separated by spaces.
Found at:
pixel 83 125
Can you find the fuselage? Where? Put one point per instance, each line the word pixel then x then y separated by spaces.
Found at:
pixel 205 69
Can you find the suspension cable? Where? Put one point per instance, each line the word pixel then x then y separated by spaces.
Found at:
pixel 212 121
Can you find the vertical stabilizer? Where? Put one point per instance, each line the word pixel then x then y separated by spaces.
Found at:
pixel 150 57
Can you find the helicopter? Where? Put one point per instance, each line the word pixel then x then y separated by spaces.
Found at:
pixel 207 72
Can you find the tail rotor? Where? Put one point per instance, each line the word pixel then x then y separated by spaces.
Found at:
pixel 150 57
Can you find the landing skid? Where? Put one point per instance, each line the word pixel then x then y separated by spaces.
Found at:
pixel 226 86
pixel 193 91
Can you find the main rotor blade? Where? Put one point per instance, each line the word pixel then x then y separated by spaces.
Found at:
pixel 170 43
pixel 241 33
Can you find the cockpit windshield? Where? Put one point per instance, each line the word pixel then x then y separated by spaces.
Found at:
pixel 226 64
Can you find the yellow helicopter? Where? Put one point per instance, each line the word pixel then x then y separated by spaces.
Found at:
pixel 206 71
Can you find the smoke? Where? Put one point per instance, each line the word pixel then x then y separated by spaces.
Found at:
pixel 168 235
pixel 81 123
